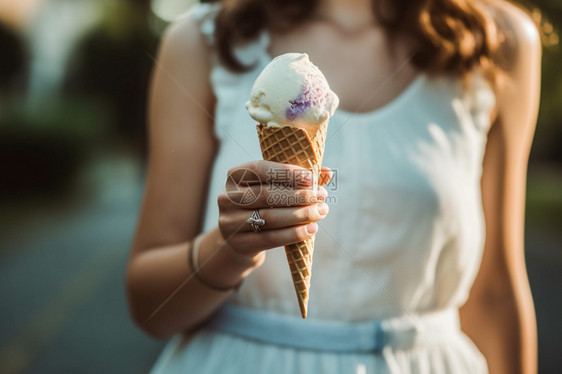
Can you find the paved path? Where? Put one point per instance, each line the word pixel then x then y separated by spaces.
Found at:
pixel 62 290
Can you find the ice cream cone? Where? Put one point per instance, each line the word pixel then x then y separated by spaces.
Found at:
pixel 304 148
pixel 292 103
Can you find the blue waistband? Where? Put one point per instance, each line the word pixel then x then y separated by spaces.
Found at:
pixel 371 336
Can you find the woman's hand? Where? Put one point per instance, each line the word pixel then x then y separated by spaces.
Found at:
pixel 284 197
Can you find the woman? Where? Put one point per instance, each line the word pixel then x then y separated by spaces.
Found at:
pixel 438 102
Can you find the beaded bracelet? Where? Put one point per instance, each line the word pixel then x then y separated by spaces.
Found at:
pixel 193 259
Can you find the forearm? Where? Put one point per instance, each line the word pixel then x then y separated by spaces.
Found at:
pixel 165 297
pixel 504 329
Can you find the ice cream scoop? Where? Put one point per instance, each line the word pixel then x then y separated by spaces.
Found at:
pixel 292 91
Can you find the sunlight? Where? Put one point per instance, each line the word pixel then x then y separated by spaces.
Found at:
pixel 18 13
pixel 361 369
pixel 169 10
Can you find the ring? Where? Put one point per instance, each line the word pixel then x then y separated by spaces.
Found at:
pixel 256 221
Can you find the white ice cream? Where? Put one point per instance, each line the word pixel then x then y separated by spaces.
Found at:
pixel 291 90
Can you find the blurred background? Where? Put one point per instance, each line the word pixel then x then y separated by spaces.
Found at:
pixel 73 82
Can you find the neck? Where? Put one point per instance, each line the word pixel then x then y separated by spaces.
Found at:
pixel 348 15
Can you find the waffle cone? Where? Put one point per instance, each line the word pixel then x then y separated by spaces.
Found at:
pixel 304 148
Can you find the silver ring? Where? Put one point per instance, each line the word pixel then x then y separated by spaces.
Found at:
pixel 256 221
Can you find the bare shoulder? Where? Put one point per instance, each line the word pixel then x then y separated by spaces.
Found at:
pixel 183 37
pixel 181 95
pixel 519 37
pixel 519 61
pixel 184 54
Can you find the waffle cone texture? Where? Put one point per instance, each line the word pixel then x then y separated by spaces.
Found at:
pixel 296 146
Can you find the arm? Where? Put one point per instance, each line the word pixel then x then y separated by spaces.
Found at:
pixel 182 149
pixel 499 314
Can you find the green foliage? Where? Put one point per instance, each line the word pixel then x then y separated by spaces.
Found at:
pixel 111 65
pixel 544 200
pixel 43 146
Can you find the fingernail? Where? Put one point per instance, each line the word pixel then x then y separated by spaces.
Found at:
pixel 323 209
pixel 305 177
pixel 311 228
pixel 321 194
pixel 324 179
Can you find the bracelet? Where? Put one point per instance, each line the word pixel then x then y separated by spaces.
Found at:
pixel 193 260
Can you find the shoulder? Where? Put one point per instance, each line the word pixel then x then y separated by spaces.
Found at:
pixel 519 63
pixel 185 56
pixel 519 38
pixel 183 41
pixel 516 19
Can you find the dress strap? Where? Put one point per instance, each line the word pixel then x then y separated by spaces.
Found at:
pixel 371 336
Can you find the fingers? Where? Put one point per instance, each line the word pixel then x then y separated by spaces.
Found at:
pixel 249 243
pixel 284 197
pixel 276 218
pixel 258 196
pixel 268 172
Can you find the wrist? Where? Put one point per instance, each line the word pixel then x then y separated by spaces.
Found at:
pixel 220 265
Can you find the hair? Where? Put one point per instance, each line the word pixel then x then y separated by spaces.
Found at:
pixel 452 36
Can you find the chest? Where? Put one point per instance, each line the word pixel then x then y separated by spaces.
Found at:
pixel 366 71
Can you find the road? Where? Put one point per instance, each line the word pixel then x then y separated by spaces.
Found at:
pixel 61 285
pixel 63 302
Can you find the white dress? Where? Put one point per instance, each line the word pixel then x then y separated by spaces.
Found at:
pixel 404 235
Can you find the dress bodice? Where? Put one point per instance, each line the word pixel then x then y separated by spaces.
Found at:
pixel 405 232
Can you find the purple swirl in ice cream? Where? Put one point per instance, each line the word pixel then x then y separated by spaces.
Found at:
pixel 298 106
pixel 311 95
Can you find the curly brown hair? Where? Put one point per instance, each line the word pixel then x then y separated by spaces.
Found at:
pixel 453 36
